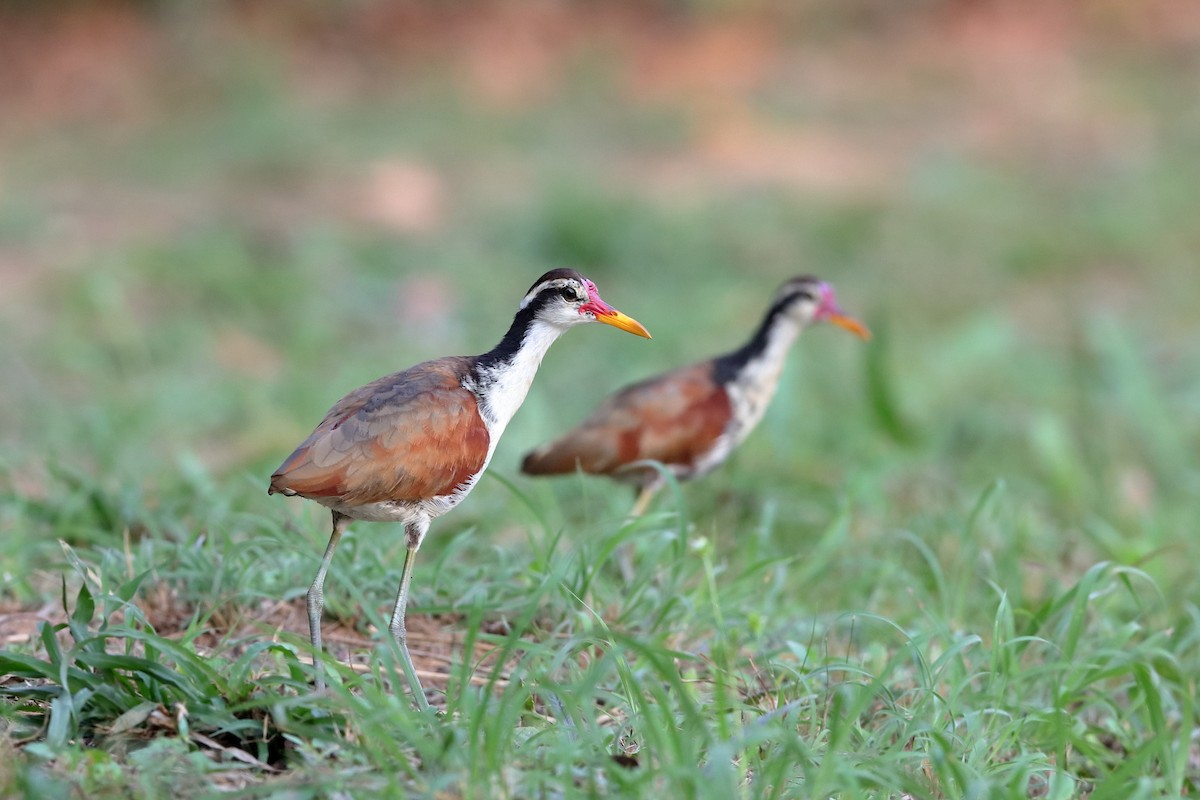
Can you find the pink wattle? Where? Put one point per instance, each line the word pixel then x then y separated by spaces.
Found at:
pixel 594 304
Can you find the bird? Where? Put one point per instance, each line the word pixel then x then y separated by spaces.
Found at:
pixel 692 418
pixel 410 446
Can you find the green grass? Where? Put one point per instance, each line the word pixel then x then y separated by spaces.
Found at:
pixel 955 562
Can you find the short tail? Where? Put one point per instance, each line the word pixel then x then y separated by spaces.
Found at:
pixel 277 487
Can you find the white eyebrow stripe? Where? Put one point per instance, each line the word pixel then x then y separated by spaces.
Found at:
pixel 556 283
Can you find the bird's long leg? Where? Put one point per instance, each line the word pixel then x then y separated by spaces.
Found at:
pixel 644 497
pixel 316 597
pixel 415 532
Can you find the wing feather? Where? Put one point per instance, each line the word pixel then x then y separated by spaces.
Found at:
pixel 674 418
pixel 408 436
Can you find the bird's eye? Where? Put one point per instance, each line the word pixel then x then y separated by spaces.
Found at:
pixel 570 294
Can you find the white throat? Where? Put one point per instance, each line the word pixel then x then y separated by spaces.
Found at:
pixel 501 389
pixel 766 367
pixel 754 387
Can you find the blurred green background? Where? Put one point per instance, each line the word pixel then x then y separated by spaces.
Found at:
pixel 217 218
pixel 215 221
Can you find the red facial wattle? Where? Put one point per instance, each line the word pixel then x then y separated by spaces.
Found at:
pixel 603 312
pixel 594 304
pixel 831 312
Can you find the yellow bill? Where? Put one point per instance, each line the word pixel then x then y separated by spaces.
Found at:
pixel 624 322
pixel 850 324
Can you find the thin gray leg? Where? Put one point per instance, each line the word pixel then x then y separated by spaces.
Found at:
pixel 415 534
pixel 316 597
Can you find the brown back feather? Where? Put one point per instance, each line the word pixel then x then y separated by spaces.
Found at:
pixel 673 418
pixel 411 435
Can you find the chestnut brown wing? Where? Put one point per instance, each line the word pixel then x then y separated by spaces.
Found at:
pixel 408 436
pixel 673 418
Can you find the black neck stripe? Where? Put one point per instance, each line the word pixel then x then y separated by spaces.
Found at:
pixel 730 365
pixel 508 346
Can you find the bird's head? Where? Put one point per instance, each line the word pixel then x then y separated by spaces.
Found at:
pixel 808 299
pixel 564 298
